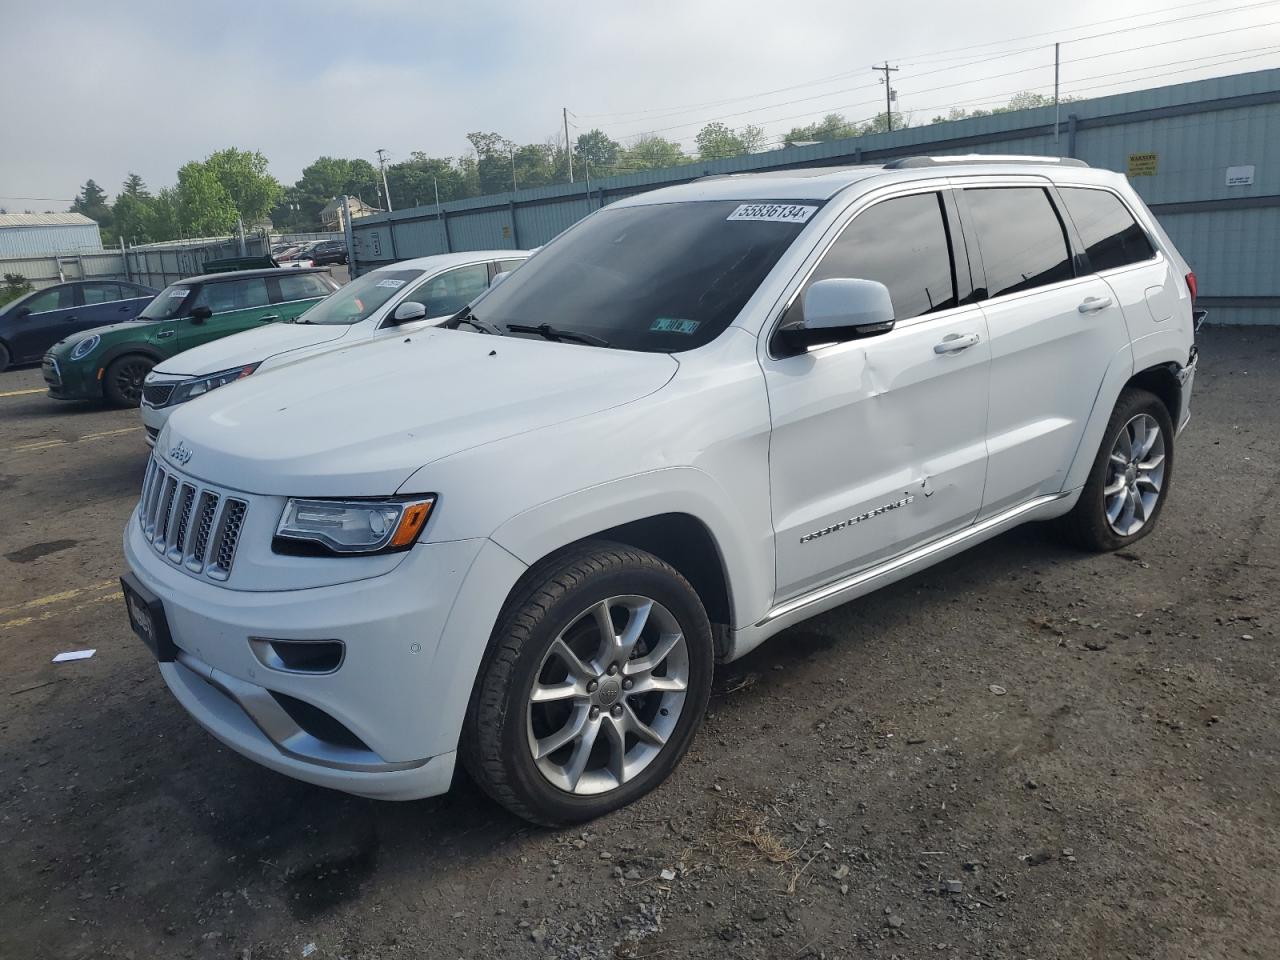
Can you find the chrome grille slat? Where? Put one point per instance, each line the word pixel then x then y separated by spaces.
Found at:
pixel 190 525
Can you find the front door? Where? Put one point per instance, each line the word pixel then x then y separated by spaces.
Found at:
pixel 47 322
pixel 1053 336
pixel 880 444
pixel 237 304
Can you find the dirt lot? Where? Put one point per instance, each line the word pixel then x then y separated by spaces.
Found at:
pixel 1026 752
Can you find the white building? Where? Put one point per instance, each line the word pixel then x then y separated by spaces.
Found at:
pixel 38 234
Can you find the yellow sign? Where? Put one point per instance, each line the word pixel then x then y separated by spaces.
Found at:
pixel 1142 164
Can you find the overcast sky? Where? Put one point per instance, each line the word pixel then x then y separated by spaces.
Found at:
pixel 96 89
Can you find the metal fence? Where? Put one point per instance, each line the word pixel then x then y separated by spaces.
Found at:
pixel 1204 155
pixel 45 271
pixel 160 264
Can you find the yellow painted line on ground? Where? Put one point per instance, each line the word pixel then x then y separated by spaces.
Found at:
pixel 32 445
pixel 22 393
pixel 48 614
pixel 58 597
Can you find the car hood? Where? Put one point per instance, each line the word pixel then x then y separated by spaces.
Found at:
pixel 126 328
pixel 251 346
pixel 359 420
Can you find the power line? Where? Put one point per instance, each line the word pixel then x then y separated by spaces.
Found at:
pixel 663 112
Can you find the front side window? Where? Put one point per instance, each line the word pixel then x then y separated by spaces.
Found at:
pixel 361 297
pixel 100 292
pixel 452 290
pixel 227 295
pixel 59 298
pixel 662 277
pixel 302 286
pixel 1024 244
pixel 904 244
pixel 1112 238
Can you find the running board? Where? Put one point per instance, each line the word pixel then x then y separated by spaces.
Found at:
pixel 911 558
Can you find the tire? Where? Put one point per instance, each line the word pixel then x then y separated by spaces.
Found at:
pixel 1091 525
pixel 4 358
pixel 556 607
pixel 122 383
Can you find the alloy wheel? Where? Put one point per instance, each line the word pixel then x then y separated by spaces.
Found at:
pixel 128 380
pixel 1135 475
pixel 608 695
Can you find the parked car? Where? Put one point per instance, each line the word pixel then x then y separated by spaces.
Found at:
pixel 386 302
pixel 33 323
pixel 328 251
pixel 112 361
pixel 697 417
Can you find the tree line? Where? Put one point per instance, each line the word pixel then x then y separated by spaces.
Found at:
pixel 232 186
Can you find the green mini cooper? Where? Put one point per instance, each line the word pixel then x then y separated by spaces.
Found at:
pixel 113 361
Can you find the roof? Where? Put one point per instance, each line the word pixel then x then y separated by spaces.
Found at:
pixel 45 220
pixel 442 260
pixel 242 274
pixel 823 183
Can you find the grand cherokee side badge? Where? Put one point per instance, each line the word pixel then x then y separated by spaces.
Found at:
pixel 845 524
pixel 180 454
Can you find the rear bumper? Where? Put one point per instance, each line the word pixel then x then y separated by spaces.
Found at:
pixel 1187 379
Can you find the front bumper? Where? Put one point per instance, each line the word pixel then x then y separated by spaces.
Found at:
pixel 154 419
pixel 70 380
pixel 398 696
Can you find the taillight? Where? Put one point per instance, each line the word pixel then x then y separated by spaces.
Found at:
pixel 1191 286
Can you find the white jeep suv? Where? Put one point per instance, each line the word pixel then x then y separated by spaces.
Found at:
pixel 696 418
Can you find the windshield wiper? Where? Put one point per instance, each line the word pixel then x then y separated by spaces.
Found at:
pixel 549 332
pixel 466 316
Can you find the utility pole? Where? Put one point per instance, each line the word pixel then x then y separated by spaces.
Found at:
pixel 889 93
pixel 513 168
pixel 382 165
pixel 567 147
pixel 1055 94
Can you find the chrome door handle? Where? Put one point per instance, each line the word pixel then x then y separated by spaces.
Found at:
pixel 1094 304
pixel 164 334
pixel 272 318
pixel 955 342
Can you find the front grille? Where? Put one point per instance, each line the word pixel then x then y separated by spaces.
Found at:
pixel 49 370
pixel 190 525
pixel 157 394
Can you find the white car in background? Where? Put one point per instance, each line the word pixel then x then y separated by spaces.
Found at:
pixel 385 302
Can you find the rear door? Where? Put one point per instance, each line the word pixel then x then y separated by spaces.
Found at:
pixel 237 304
pixel 1055 331
pixel 294 294
pixel 103 302
pixel 48 321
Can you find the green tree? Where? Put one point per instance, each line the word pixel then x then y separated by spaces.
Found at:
pixel 205 208
pixel 299 206
pixel 91 201
pixel 834 126
pixel 131 213
pixel 493 161
pixel 15 286
pixel 597 149
pixel 650 152
pixel 163 219
pixel 716 141
pixel 246 181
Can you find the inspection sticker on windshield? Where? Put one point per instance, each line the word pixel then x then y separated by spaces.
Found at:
pixel 674 325
pixel 393 284
pixel 773 212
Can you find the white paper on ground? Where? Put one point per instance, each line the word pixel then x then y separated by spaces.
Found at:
pixel 74 655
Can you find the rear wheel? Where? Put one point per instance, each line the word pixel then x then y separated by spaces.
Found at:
pixel 4 357
pixel 1131 475
pixel 597 681
pixel 122 383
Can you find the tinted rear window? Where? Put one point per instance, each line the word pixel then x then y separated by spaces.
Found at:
pixel 1111 236
pixel 1022 240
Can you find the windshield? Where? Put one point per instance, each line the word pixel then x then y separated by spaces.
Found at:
pixel 658 278
pixel 168 304
pixel 360 298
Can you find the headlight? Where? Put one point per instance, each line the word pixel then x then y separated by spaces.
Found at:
pixel 351 526
pixel 189 389
pixel 85 347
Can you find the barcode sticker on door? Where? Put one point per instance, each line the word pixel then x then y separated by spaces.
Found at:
pixel 773 212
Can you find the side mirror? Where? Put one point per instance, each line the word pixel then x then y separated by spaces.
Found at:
pixel 840 309
pixel 200 314
pixel 408 312
pixel 499 277
pixel 24 312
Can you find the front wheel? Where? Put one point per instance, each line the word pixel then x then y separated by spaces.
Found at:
pixel 1131 476
pixel 122 383
pixel 597 679
pixel 4 357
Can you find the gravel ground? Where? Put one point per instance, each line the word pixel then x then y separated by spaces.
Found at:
pixel 1025 752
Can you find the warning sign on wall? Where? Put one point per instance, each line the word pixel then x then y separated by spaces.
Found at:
pixel 1142 165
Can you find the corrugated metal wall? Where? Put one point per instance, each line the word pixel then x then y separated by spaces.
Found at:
pixel 37 240
pixel 1229 234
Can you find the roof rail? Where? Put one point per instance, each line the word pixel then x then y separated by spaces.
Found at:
pixel 906 163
